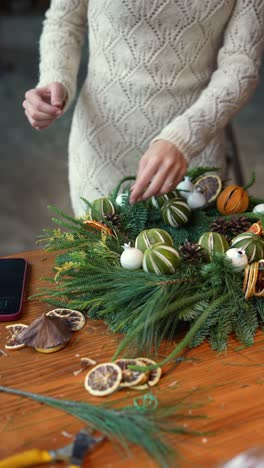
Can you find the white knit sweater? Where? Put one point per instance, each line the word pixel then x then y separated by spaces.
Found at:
pixel 176 70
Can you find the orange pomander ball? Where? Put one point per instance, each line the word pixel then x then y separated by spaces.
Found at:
pixel 233 199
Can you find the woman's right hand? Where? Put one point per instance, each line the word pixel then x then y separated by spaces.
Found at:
pixel 44 105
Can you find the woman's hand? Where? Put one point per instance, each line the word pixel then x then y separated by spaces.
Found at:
pixel 44 105
pixel 161 168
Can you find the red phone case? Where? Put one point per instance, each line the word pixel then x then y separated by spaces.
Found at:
pixel 16 315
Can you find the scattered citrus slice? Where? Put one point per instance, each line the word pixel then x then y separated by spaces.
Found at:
pixel 50 350
pixel 131 377
pixel 256 228
pixel 154 375
pixel 103 379
pixel 250 279
pixel 210 186
pixel 14 330
pixel 99 226
pixel 259 286
pixel 75 318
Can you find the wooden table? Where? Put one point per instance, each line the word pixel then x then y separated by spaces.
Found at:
pixel 231 386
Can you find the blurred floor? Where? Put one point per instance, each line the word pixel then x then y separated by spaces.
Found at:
pixel 33 165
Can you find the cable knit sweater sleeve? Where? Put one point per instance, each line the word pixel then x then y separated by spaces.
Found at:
pixel 231 84
pixel 61 42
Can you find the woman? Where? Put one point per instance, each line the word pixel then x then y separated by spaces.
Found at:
pixel 164 78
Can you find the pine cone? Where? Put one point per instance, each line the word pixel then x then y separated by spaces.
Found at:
pixel 191 252
pixel 113 218
pixel 230 227
pixel 238 225
pixel 220 225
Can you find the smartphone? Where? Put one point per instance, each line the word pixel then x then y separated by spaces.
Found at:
pixel 12 285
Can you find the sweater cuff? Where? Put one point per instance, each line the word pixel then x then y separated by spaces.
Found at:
pixel 179 134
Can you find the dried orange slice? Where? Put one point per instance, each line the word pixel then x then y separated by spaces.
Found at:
pixel 256 228
pixel 50 350
pixel 210 185
pixel 98 226
pixel 131 377
pixel 103 379
pixel 75 318
pixel 154 375
pixel 259 285
pixel 250 279
pixel 14 330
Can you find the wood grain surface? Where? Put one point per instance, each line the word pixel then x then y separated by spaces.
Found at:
pixel 229 385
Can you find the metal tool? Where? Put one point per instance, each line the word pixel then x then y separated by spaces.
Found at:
pixel 73 453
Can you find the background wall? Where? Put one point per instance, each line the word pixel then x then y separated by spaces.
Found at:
pixel 33 165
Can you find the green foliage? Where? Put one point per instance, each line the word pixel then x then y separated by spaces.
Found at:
pixel 219 332
pixel 246 323
pixel 259 307
pixel 134 218
pixel 205 298
pixel 146 423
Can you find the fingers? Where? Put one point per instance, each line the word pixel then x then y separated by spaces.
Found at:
pixel 169 185
pixel 146 172
pixel 58 95
pixel 44 105
pixel 38 124
pixel 156 183
pixel 35 98
pixel 38 115
pixel 161 168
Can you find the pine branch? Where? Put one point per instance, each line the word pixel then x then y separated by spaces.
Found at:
pixel 220 331
pixel 190 334
pixel 246 324
pixel 154 317
pixel 144 424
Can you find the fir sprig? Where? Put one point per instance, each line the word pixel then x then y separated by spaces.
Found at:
pixel 143 424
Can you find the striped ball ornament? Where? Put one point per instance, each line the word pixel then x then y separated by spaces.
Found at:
pixel 100 208
pixel 161 259
pixel 251 243
pixel 175 212
pixel 158 202
pixel 213 242
pixel 149 237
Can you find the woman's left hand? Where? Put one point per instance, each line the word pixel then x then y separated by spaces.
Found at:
pixel 161 168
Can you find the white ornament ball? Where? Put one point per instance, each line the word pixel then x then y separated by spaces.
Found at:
pixel 259 208
pixel 131 258
pixel 196 200
pixel 121 199
pixel 185 187
pixel 238 258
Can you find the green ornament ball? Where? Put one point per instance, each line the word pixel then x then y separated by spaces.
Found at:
pixel 161 259
pixel 158 202
pixel 213 242
pixel 100 208
pixel 251 243
pixel 152 236
pixel 175 212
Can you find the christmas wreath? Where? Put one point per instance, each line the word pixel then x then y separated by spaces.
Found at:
pixel 187 264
